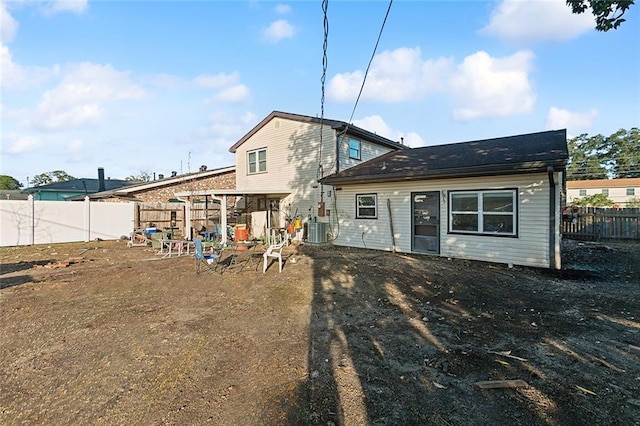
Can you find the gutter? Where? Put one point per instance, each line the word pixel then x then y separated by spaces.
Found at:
pixel 552 219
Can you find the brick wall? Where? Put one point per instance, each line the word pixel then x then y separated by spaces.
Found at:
pixel 164 193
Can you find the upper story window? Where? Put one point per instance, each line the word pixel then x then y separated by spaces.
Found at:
pixel 605 191
pixel 355 149
pixel 366 206
pixel 257 161
pixel 583 192
pixel 483 212
pixel 631 191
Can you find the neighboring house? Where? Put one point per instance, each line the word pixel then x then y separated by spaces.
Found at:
pixel 494 200
pixel 157 204
pixel 620 191
pixel 60 191
pixel 163 190
pixel 280 161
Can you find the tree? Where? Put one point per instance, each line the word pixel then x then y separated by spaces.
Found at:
pixel 608 13
pixel 633 202
pixel 8 182
pixel 624 153
pixel 585 158
pixel 143 176
pixel 51 177
pixel 595 200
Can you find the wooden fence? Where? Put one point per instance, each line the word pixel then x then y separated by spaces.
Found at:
pixel 598 224
pixel 172 215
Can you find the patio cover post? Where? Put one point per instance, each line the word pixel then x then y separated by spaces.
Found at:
pixel 223 218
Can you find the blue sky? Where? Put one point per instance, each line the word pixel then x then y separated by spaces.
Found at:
pixel 164 86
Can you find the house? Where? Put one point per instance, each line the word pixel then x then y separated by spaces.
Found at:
pixel 620 191
pixel 163 189
pixel 279 163
pixel 494 200
pixel 157 204
pixel 60 191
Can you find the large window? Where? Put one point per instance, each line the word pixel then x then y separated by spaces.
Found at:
pixel 354 149
pixel 483 212
pixel 257 161
pixel 366 206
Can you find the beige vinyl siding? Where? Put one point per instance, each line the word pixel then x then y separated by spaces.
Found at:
pixel 617 195
pixel 530 247
pixel 368 151
pixel 292 163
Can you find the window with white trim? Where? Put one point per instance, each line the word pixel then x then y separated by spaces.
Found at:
pixel 483 212
pixel 583 192
pixel 366 206
pixel 257 161
pixel 631 191
pixel 605 191
pixel 355 149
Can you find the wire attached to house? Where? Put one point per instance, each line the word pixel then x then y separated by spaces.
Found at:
pixel 371 60
pixel 325 8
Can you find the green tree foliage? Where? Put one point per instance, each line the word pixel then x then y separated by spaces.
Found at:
pixel 51 177
pixel 8 182
pixel 599 157
pixel 608 13
pixel 143 176
pixel 633 202
pixel 595 200
pixel 585 158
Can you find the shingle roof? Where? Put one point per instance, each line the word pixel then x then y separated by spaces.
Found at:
pixel 334 124
pixel 85 185
pixel 507 155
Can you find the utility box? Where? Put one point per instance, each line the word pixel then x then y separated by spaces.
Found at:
pixel 317 233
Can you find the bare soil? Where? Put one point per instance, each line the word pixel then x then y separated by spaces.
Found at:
pixel 341 336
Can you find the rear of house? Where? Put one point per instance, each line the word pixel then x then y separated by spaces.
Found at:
pixel 494 200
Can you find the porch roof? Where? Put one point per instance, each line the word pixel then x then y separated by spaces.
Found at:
pixel 233 192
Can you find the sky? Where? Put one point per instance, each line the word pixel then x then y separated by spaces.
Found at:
pixel 162 86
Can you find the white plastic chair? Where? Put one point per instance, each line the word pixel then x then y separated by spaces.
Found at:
pixel 274 250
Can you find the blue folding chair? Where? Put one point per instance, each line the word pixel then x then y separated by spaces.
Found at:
pixel 205 262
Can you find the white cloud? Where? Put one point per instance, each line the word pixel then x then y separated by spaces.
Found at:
pixel 8 25
pixel 233 94
pixel 15 76
pixel 282 9
pixel 377 125
pixel 59 6
pixel 277 31
pixel 558 118
pixel 20 144
pixel 481 86
pixel 493 87
pixel 395 76
pixel 216 81
pixel 523 21
pixel 79 98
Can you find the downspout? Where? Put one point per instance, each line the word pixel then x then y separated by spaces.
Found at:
pixel 552 219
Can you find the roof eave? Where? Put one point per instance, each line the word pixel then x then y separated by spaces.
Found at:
pixel 524 168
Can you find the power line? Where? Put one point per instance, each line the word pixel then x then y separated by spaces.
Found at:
pixel 371 60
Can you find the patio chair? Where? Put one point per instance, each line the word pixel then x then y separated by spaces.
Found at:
pixel 274 250
pixel 207 262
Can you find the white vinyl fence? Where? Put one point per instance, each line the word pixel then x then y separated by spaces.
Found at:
pixel 25 222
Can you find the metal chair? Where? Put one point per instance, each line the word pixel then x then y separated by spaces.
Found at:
pixel 274 250
pixel 208 262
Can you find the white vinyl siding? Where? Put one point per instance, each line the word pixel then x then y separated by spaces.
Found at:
pixel 531 247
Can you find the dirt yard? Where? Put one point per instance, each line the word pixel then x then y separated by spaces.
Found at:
pixel 341 336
